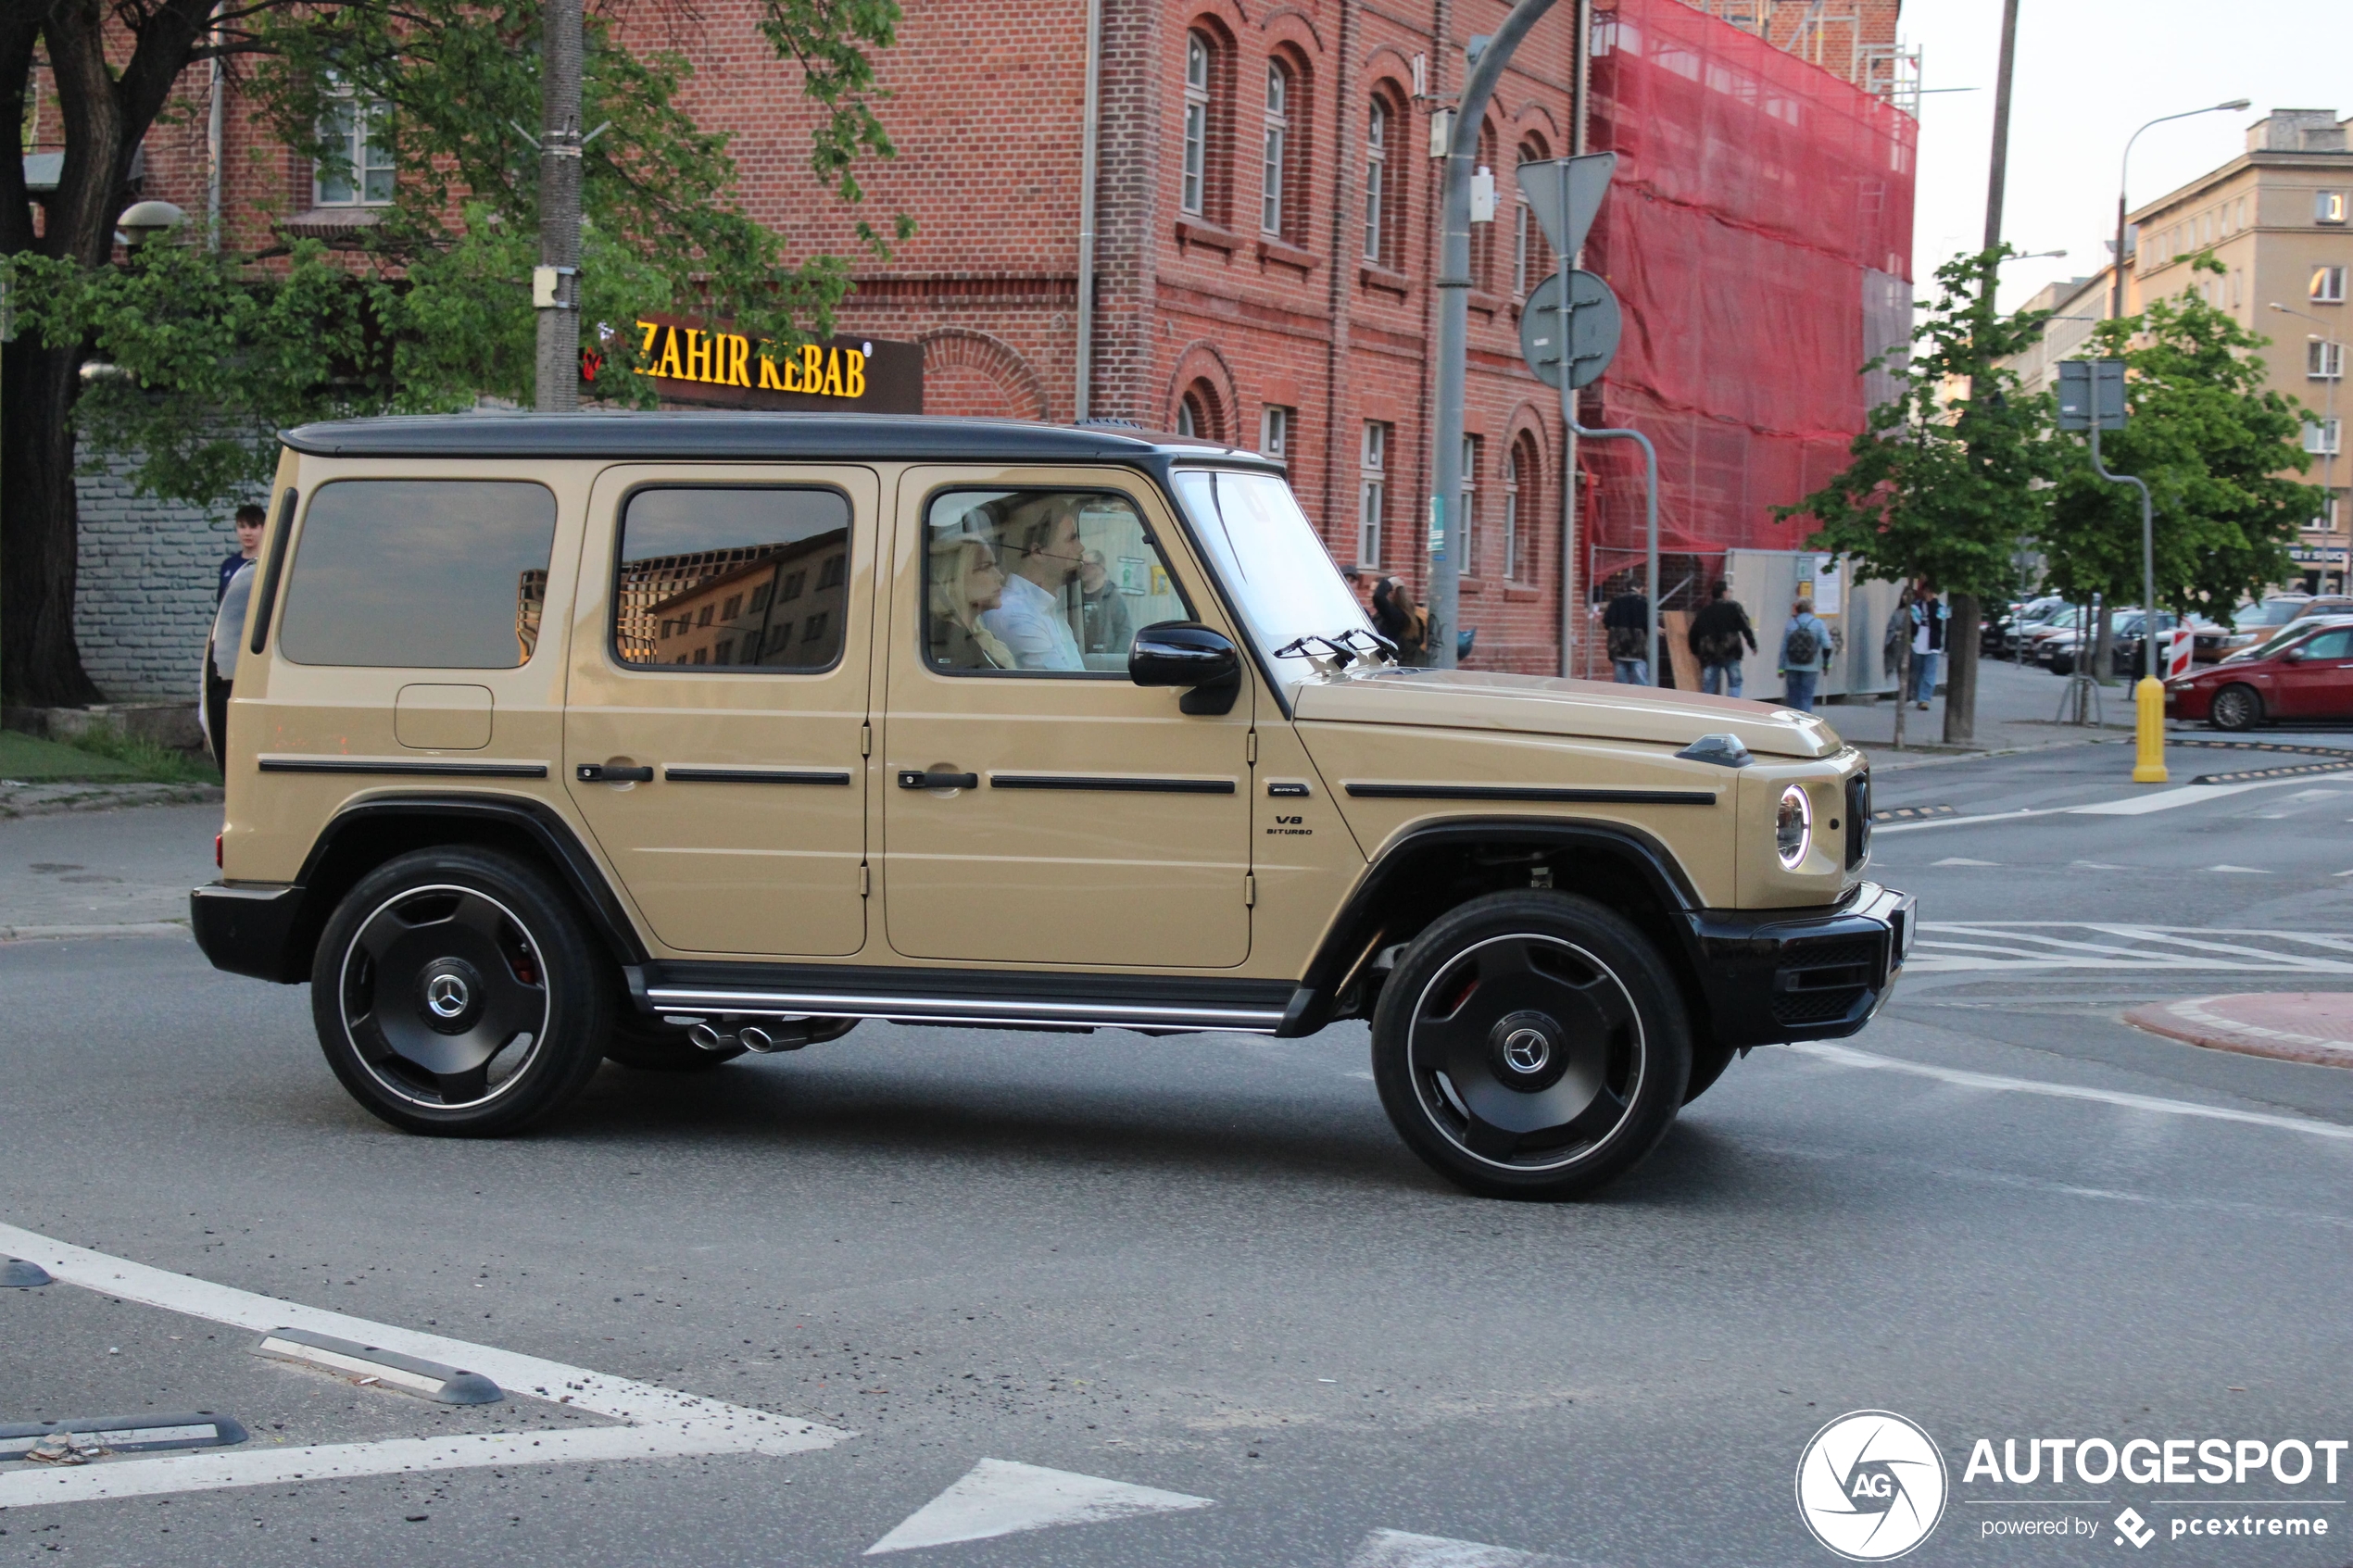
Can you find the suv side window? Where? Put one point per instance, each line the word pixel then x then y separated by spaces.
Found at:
pixel 430 573
pixel 1041 581
pixel 735 577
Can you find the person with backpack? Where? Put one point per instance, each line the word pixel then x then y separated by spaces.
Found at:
pixel 1716 637
pixel 1627 623
pixel 1929 615
pixel 1806 648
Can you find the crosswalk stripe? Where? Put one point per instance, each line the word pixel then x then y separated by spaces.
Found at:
pixel 1395 1549
pixel 999 1497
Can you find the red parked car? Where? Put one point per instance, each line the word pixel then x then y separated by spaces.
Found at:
pixel 2304 670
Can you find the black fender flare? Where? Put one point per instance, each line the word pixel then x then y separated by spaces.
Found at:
pixel 1344 945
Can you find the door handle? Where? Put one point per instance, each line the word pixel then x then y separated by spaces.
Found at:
pixel 597 773
pixel 915 778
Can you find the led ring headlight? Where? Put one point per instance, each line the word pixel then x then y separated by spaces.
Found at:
pixel 1794 827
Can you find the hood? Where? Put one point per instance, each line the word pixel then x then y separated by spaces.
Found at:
pixel 1478 699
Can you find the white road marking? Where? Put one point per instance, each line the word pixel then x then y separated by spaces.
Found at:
pixel 1963 860
pixel 1395 1549
pixel 2131 805
pixel 2240 870
pixel 1847 1056
pixel 658 1423
pixel 999 1497
pixel 2044 945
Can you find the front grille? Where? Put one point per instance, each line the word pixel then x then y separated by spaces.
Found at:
pixel 1858 819
pixel 1817 1007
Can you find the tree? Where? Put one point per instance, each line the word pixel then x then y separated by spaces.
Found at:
pixel 209 354
pixel 1940 483
pixel 2215 448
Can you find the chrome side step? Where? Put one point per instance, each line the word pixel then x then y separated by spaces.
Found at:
pixel 704 1000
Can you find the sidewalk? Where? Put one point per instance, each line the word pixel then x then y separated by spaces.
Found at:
pixel 2014 712
pixel 2314 1026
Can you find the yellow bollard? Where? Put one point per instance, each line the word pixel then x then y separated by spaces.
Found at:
pixel 2148 701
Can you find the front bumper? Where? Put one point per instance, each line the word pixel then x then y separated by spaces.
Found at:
pixel 1774 975
pixel 248 930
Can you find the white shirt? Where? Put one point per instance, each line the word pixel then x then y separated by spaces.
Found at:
pixel 1030 622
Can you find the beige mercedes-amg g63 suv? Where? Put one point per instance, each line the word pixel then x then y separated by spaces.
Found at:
pixel 661 738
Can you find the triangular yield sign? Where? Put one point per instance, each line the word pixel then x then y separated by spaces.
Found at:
pixel 1565 221
pixel 999 1498
pixel 1395 1549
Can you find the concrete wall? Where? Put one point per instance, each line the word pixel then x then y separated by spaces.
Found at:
pixel 144 605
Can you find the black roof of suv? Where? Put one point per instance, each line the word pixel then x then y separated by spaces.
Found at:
pixel 721 436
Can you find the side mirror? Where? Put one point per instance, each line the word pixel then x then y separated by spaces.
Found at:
pixel 1186 653
pixel 2293 655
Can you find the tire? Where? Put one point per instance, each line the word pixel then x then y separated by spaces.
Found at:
pixel 2062 664
pixel 2235 706
pixel 647 1044
pixel 1532 1046
pixel 458 993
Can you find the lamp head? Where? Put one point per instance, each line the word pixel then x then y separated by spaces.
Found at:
pixel 2235 104
pixel 142 221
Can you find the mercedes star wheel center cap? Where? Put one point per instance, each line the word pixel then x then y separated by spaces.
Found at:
pixel 450 994
pixel 1527 1049
pixel 1529 1052
pixel 445 996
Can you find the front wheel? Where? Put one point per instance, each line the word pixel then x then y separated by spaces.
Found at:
pixel 1531 1044
pixel 456 992
pixel 2236 708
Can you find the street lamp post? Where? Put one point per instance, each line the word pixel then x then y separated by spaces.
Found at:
pixel 2123 177
pixel 2328 453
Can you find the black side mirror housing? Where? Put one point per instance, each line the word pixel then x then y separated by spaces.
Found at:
pixel 1186 653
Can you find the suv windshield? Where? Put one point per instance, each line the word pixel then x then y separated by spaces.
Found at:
pixel 1266 553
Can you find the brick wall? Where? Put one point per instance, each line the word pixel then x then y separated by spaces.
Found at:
pixel 144 605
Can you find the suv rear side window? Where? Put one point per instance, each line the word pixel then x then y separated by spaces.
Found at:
pixel 1041 581
pixel 430 573
pixel 731 577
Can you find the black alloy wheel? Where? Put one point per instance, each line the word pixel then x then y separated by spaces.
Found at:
pixel 2236 708
pixel 1531 1044
pixel 457 992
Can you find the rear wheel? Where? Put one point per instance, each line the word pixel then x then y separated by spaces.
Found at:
pixel 1531 1044
pixel 2236 708
pixel 456 992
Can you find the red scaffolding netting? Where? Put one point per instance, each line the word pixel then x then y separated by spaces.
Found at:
pixel 1759 233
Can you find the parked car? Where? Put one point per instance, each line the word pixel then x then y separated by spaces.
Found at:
pixel 658 739
pixel 1999 635
pixel 2257 618
pixel 2040 614
pixel 2304 670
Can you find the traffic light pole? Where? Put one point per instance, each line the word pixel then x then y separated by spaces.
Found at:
pixel 2148 696
pixel 1454 324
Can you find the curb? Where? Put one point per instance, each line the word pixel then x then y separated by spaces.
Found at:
pixel 2191 1019
pixel 67 933
pixel 44 800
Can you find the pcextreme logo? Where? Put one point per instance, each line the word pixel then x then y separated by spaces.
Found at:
pixel 1871 1485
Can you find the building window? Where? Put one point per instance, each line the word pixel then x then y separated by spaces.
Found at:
pixel 1196 194
pixel 356 135
pixel 2328 285
pixel 1197 413
pixel 2320 437
pixel 1278 150
pixel 1376 182
pixel 1372 493
pixel 2328 206
pixel 1467 558
pixel 1273 431
pixel 2323 360
pixel 1532 259
pixel 1511 512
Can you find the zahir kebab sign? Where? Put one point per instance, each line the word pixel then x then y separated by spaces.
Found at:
pixel 703 362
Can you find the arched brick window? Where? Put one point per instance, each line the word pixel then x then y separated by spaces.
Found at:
pixel 1275 160
pixel 1199 413
pixel 1531 258
pixel 1201 74
pixel 1523 515
pixel 1384 162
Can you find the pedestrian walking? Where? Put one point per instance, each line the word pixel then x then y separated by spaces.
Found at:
pixel 249 519
pixel 1805 650
pixel 1398 617
pixel 1626 624
pixel 1929 616
pixel 1717 635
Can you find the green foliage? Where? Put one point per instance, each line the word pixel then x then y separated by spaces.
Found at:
pixel 1938 489
pixel 147 759
pixel 2214 448
pixel 213 353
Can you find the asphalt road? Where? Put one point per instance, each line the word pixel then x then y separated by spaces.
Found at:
pixel 1205 1266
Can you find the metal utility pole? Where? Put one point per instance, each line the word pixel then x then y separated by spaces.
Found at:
pixel 1961 623
pixel 1089 155
pixel 2092 399
pixel 1571 606
pixel 554 283
pixel 2123 177
pixel 1453 320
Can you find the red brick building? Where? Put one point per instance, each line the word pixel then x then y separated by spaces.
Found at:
pixel 1265 238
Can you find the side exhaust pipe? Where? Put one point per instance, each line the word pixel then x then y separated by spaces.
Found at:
pixel 710 1039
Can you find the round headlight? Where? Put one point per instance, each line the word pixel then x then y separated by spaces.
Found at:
pixel 1794 829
